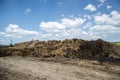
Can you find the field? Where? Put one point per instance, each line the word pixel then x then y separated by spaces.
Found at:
pixel 31 68
pixel 117 43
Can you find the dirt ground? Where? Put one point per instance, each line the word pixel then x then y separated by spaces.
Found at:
pixel 30 68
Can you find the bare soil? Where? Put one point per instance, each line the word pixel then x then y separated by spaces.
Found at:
pixel 31 68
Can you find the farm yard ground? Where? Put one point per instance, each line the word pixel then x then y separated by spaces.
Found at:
pixel 31 68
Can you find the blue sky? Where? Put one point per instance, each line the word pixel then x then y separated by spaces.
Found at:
pixel 24 20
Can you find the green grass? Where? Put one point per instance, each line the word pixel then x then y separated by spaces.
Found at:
pixel 117 43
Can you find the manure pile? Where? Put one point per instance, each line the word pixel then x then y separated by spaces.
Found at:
pixel 70 48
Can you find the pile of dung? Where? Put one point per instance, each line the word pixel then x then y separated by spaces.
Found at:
pixel 70 48
pixel 97 49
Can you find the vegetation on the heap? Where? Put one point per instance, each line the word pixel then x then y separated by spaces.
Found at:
pixel 71 48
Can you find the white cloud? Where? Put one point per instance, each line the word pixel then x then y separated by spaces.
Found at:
pixel 108 6
pixel 87 25
pixel 51 26
pixel 78 28
pixel 66 28
pixel 112 19
pixel 105 29
pixel 15 31
pixel 101 19
pixel 64 24
pixel 106 32
pixel 106 26
pixel 90 7
pixel 2 33
pixel 28 10
pixel 72 22
pixel 115 18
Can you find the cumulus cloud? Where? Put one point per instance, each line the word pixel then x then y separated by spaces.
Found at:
pixel 65 23
pixel 14 31
pixel 28 10
pixel 101 19
pixel 51 26
pixel 2 33
pixel 104 26
pixel 65 28
pixel 72 22
pixel 90 7
pixel 108 6
pixel 106 32
pixel 112 19
pixel 105 29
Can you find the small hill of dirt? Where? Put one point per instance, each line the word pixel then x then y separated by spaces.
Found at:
pixel 98 49
pixel 70 48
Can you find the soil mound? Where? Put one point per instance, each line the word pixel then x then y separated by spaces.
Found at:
pixel 97 49
pixel 71 48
